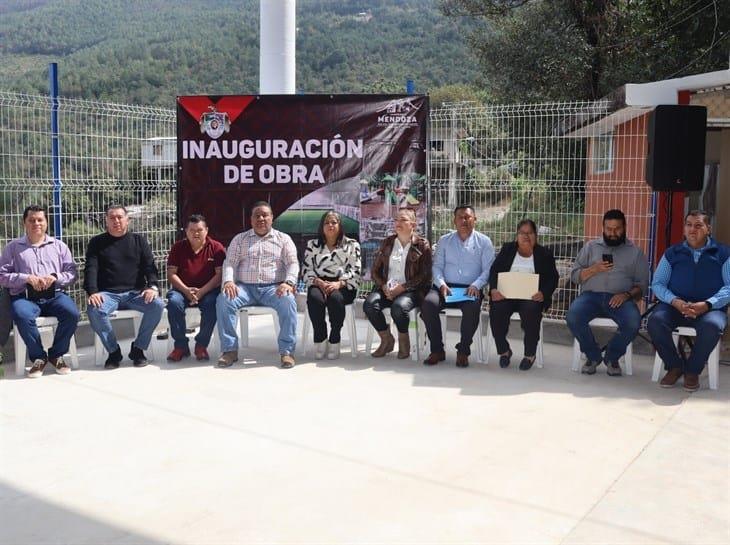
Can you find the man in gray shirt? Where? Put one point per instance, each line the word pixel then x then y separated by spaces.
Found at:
pixel 613 274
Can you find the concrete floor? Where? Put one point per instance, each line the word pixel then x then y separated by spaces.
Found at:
pixel 361 451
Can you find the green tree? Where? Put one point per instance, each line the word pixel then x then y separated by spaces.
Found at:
pixel 532 50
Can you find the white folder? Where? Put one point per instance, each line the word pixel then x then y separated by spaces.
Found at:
pixel 517 285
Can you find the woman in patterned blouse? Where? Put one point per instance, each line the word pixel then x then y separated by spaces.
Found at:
pixel 332 273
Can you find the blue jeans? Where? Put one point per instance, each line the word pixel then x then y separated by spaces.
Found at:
pixel 593 304
pixel 128 300
pixel 176 305
pixel 60 307
pixel 263 295
pixel 709 328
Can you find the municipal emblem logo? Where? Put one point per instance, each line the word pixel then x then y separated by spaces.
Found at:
pixel 400 107
pixel 214 123
pixel 399 112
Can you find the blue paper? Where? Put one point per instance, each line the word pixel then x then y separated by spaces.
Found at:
pixel 458 295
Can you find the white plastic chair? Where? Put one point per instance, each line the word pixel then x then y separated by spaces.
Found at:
pixel 713 362
pixel 350 327
pixel 539 356
pixel 413 331
pixel 136 318
pixel 46 326
pixel 254 310
pixel 478 336
pixel 604 322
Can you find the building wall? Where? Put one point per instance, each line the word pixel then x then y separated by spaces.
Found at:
pixel 722 221
pixel 624 187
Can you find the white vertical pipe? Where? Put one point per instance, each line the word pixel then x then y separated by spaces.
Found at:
pixel 277 59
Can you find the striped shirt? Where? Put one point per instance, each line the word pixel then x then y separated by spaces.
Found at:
pixel 342 263
pixel 663 273
pixel 270 259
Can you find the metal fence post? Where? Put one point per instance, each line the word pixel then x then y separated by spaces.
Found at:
pixel 57 210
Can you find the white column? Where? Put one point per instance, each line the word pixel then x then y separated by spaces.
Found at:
pixel 277 59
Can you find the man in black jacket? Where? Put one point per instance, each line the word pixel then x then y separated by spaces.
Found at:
pixel 120 273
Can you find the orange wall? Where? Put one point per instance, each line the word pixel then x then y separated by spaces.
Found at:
pixel 624 187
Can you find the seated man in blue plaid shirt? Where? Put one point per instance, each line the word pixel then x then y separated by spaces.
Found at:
pixel 261 268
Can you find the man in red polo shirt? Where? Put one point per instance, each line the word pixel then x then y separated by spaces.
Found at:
pixel 194 271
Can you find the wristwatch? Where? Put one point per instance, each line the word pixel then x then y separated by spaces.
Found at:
pixel 709 305
pixel 290 283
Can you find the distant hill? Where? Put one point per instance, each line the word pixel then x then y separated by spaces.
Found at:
pixel 149 51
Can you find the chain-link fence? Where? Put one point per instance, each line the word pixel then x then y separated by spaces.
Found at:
pixel 109 153
pixel 560 164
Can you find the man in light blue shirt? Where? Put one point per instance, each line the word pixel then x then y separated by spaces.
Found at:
pixel 692 283
pixel 463 259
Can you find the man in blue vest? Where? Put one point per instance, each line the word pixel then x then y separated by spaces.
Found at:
pixel 692 283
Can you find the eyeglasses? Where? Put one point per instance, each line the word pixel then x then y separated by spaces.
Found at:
pixel 526 233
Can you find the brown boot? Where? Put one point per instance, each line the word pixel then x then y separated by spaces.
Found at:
pixel 691 382
pixel 387 342
pixel 434 357
pixel 671 378
pixel 404 346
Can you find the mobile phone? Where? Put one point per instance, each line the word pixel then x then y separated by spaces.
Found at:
pixel 607 257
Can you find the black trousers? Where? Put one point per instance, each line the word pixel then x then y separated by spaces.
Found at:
pixel 318 305
pixel 399 309
pixel 530 317
pixel 430 309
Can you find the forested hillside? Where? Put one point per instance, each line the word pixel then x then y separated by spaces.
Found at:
pixel 149 51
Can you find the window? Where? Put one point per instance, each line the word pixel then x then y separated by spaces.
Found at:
pixel 157 150
pixel 602 153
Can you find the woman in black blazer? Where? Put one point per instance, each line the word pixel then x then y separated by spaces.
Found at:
pixel 523 255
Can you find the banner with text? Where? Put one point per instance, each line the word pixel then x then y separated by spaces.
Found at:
pixel 361 155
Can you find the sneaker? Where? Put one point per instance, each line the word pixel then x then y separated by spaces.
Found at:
pixel 613 369
pixel 287 361
pixel 59 365
pixel 589 367
pixel 178 354
pixel 671 378
pixel 137 356
pixel 320 349
pixel 201 353
pixel 333 352
pixel 114 359
pixel 691 382
pixel 36 370
pixel 227 359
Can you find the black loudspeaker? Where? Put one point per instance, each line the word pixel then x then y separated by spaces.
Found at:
pixel 676 159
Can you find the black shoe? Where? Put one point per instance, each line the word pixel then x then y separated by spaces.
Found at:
pixel 112 362
pixel 137 356
pixel 504 359
pixel 526 363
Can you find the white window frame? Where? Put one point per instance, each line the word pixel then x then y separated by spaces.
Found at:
pixel 602 153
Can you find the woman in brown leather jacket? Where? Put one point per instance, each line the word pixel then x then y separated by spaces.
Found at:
pixel 402 275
